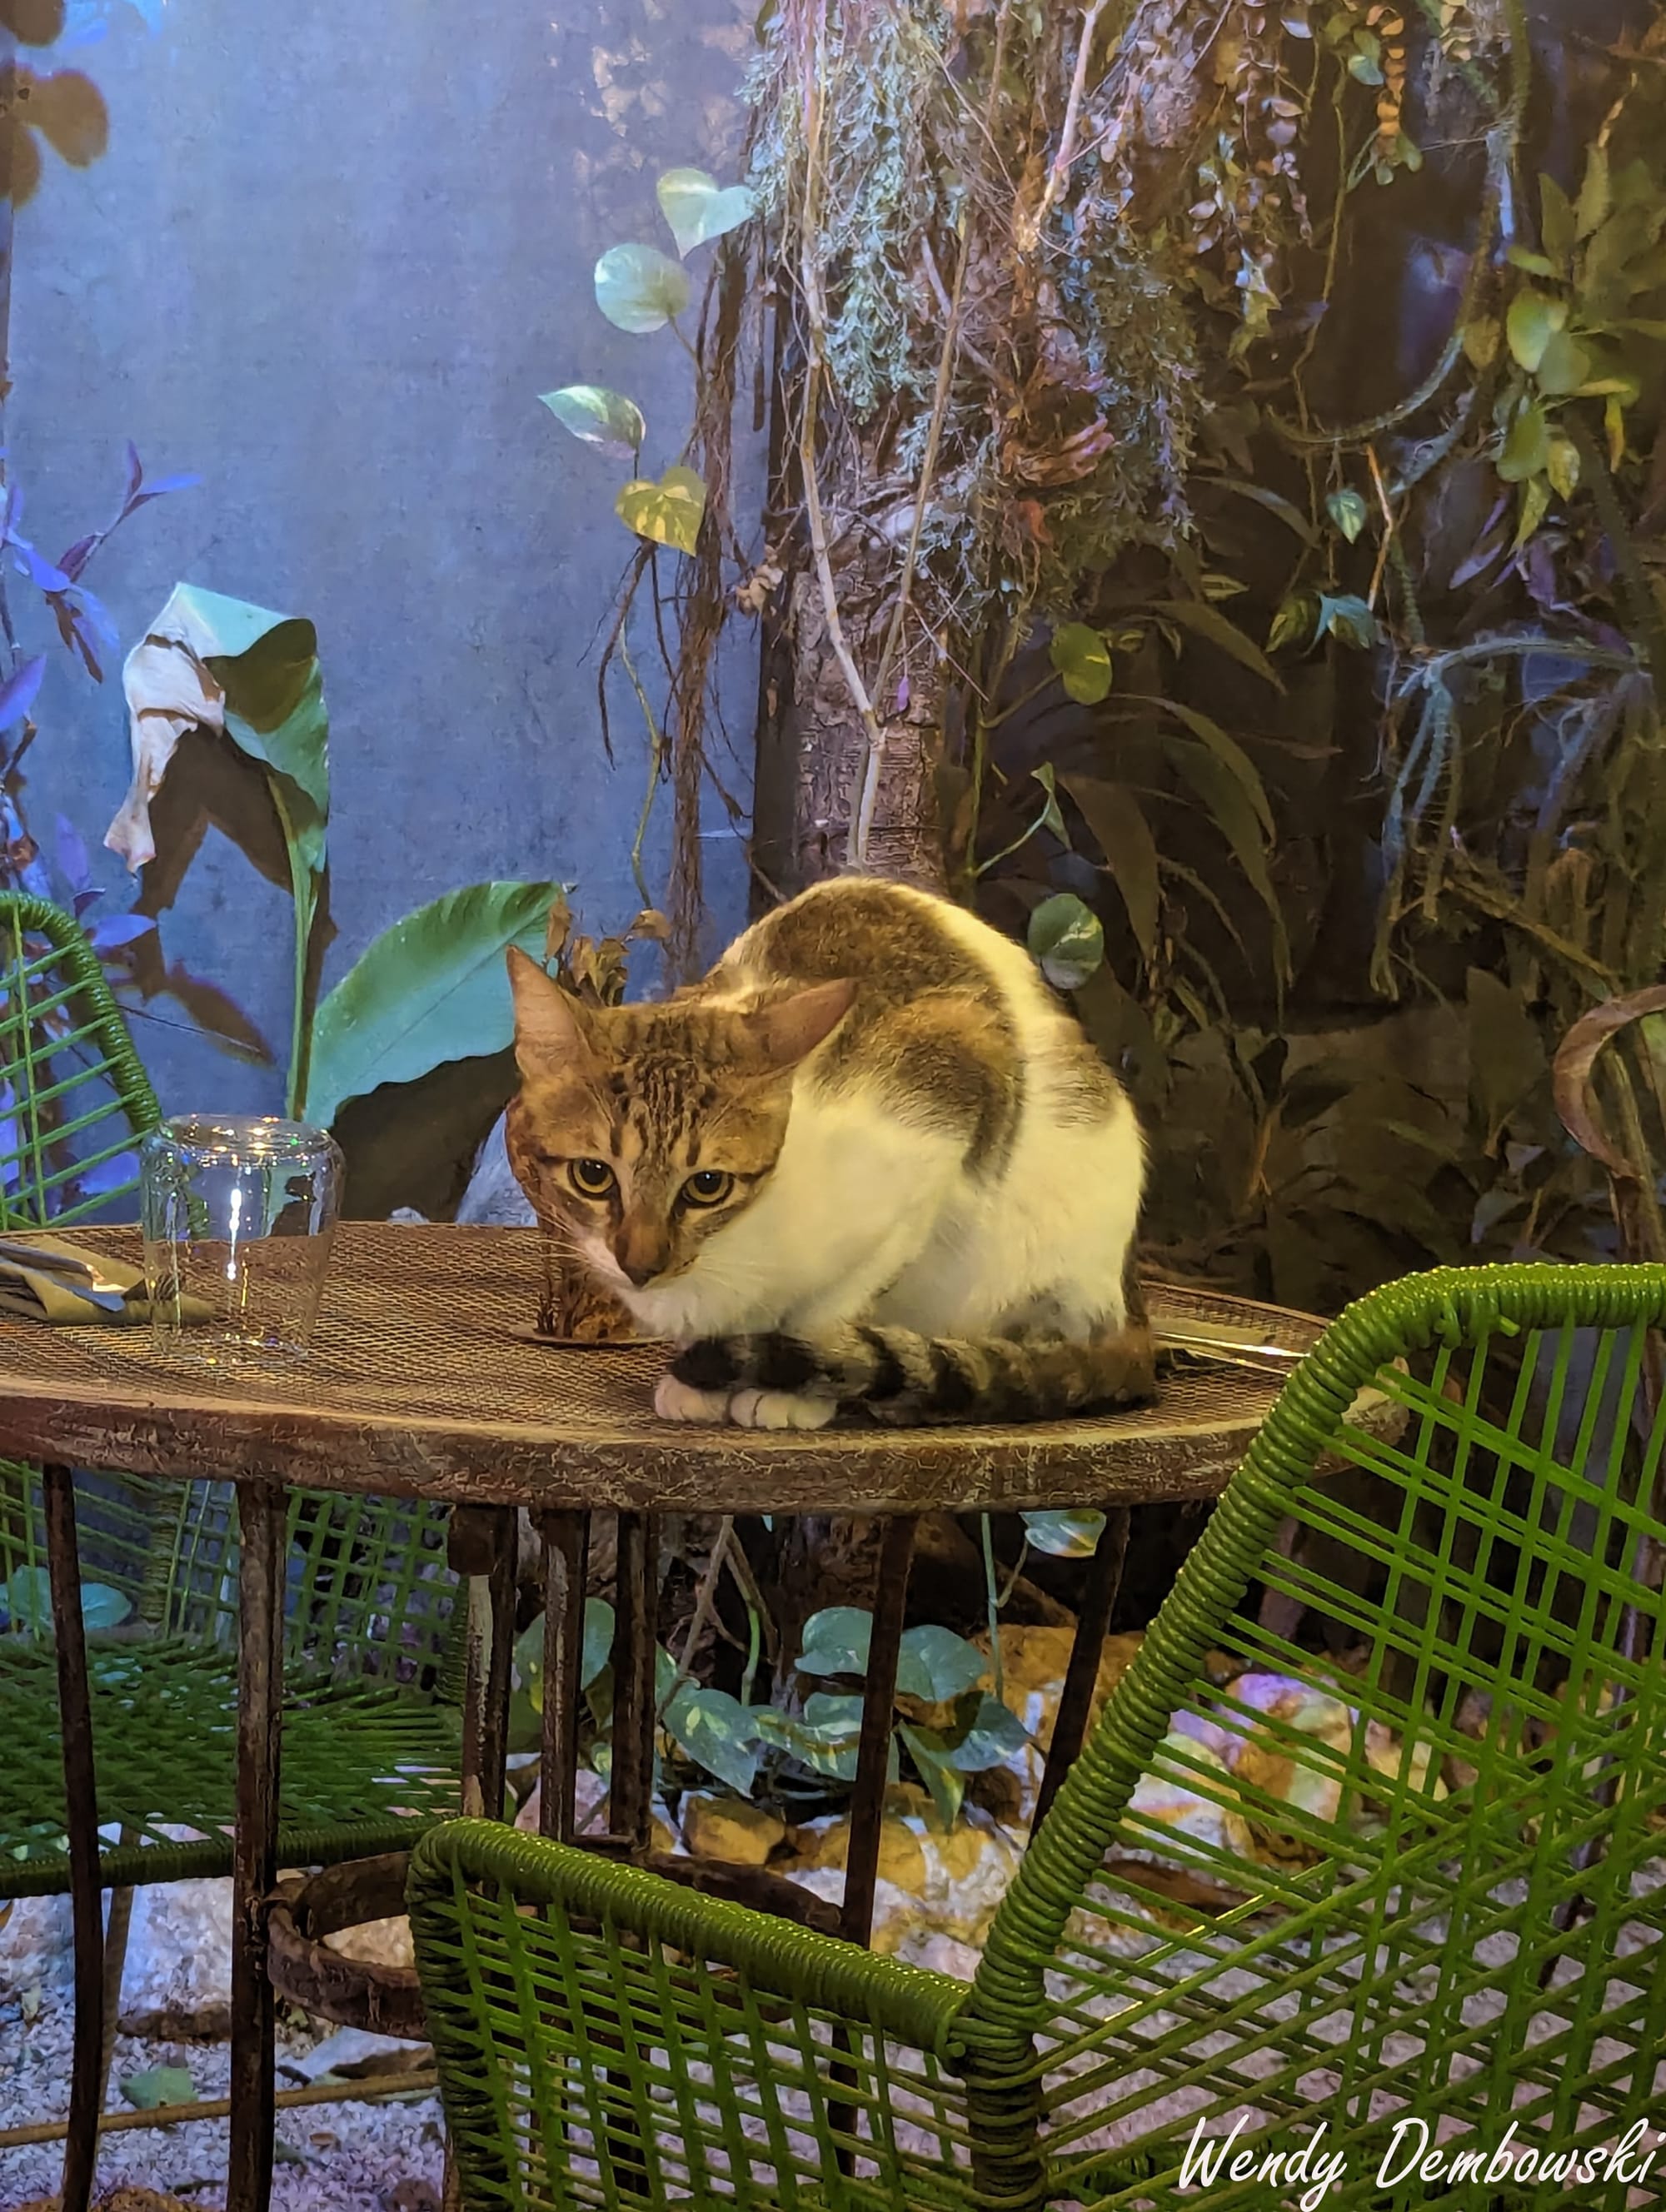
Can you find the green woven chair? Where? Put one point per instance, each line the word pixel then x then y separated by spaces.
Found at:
pixel 1432 1886
pixel 371 1730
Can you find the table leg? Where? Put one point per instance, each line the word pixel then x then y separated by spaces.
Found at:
pixel 81 1824
pixel 635 1645
pixel 482 1549
pixel 566 1550
pixel 261 1529
pixel 867 1807
pixel 1104 1579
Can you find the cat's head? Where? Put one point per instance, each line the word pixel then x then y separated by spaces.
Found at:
pixel 641 1131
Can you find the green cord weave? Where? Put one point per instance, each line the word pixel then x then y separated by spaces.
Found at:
pixel 1419 1870
pixel 370 1733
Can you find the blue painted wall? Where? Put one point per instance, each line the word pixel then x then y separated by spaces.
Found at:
pixel 329 259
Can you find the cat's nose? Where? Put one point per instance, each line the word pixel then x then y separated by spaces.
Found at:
pixel 642 1252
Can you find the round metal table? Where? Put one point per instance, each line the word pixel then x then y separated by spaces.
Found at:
pixel 427 1378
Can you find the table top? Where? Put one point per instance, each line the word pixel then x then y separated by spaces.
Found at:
pixel 426 1377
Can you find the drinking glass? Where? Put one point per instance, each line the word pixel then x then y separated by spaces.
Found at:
pixel 238 1214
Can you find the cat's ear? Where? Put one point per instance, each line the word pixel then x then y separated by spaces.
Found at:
pixel 551 1028
pixel 781 1035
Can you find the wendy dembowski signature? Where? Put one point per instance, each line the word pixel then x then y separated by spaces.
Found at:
pixel 1412 2154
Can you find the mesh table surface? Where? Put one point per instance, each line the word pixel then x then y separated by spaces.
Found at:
pixel 425 1376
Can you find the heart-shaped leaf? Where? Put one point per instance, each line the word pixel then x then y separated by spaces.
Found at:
pixel 668 512
pixel 640 289
pixel 1083 660
pixel 605 419
pixel 718 1733
pixel 835 1641
pixel 698 207
pixel 936 1664
pixel 158 2086
pixel 994 1736
pixel 1347 510
pixel 1533 319
pixel 1067 939
pixel 26 1602
pixel 1063 1534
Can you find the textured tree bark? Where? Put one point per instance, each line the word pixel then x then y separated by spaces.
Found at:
pixel 905 833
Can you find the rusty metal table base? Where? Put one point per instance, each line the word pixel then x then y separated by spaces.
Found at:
pixel 414 1389
pixel 81 1819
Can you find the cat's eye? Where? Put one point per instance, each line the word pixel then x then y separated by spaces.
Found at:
pixel 710 1187
pixel 589 1178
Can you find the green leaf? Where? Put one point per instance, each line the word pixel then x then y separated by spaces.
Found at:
pixel 668 512
pixel 1507 1053
pixel 1535 265
pixel 1526 446
pixel 825 1741
pixel 1563 466
pixel 936 1664
pixel 1236 818
pixel 1066 940
pixel 1051 817
pixel 994 1736
pixel 1533 321
pixel 595 1653
pixel 948 1791
pixel 1231 755
pixel 597 1647
pixel 26 1600
pixel 698 207
pixel 1064 1535
pixel 835 1641
pixel 640 289
pixel 1113 814
pixel 1295 621
pixel 1083 660
pixel 1349 511
pixel 1556 223
pixel 1536 505
pixel 1349 619
pixel 605 419
pixel 718 1733
pixel 158 2086
pixel 266 666
pixel 1208 621
pixel 1564 367
pixel 432 988
pixel 1596 195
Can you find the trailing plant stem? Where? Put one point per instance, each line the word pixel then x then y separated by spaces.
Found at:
pixel 304 890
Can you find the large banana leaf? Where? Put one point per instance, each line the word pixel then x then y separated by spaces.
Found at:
pixel 432 988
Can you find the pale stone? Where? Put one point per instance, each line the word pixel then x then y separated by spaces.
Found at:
pixel 589 1806
pixel 177 1981
pixel 36 1946
pixel 355 2054
pixel 376 1942
pixel 933 1880
pixel 729 1831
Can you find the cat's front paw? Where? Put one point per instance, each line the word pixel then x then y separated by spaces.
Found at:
pixel 779 1409
pixel 680 1402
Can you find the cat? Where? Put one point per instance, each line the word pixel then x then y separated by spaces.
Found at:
pixel 871 1162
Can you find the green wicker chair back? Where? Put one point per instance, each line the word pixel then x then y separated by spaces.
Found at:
pixel 1372 1832
pixel 371 1632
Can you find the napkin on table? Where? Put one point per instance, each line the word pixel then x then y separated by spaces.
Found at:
pixel 42 1293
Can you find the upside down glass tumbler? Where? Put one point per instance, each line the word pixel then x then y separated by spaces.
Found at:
pixel 238 1214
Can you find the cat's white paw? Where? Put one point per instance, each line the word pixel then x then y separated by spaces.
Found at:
pixel 779 1409
pixel 680 1402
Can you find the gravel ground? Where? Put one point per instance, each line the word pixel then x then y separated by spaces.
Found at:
pixel 346 2157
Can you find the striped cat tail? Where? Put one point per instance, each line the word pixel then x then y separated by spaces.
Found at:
pixel 925 1382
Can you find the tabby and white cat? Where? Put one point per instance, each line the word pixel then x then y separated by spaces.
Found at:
pixel 870 1161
